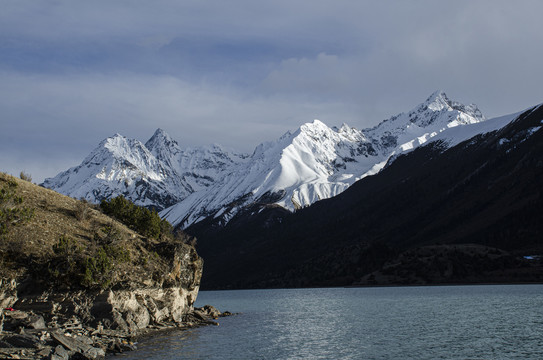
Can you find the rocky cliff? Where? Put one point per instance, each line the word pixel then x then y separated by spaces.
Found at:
pixel 76 278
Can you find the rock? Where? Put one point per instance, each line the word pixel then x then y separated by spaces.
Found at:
pixel 81 324
pixel 79 347
pixel 84 339
pixel 200 315
pixel 94 353
pixel 60 353
pixel 44 336
pixel 4 345
pixel 31 304
pixel 14 320
pixel 35 322
pixel 22 341
pixel 8 293
pixel 45 352
pixel 211 311
pixel 118 346
pixel 133 310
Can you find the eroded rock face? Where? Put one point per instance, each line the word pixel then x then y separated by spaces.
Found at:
pixel 8 292
pixel 153 302
pixel 132 310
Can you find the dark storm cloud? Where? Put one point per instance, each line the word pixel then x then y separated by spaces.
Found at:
pixel 241 72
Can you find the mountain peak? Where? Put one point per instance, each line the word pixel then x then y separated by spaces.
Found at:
pixel 113 139
pixel 115 144
pixel 160 136
pixel 316 126
pixel 162 145
pixel 438 108
pixel 438 101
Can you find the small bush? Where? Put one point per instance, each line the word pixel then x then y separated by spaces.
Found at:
pixel 65 247
pixel 65 267
pixel 71 267
pixel 98 270
pixel 82 210
pixel 12 212
pixel 25 176
pixel 109 234
pixel 145 221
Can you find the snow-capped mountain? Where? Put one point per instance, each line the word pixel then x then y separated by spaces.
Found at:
pixel 157 174
pixel 439 202
pixel 317 162
pixel 301 167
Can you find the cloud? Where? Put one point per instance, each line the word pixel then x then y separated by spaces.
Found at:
pixel 241 72
pixel 59 119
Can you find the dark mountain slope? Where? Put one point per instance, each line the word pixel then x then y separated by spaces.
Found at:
pixel 487 190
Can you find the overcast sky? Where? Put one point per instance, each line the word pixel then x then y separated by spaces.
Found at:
pixel 240 72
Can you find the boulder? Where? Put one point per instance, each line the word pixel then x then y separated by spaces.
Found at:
pixel 211 311
pixel 22 340
pixel 78 347
pixel 35 322
pixel 60 353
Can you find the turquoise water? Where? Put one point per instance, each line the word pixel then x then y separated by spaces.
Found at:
pixel 446 322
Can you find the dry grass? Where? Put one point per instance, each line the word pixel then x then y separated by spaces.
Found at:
pixel 56 215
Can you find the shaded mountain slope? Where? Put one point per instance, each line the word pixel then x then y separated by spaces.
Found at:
pixel 486 190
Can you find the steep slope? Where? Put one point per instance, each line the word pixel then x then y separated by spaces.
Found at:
pixel 157 174
pixel 485 190
pixel 317 162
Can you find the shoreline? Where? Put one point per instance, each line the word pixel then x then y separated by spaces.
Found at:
pixel 383 285
pixel 27 337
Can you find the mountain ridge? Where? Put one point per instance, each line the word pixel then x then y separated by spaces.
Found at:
pixel 314 162
pixel 317 162
pixel 421 213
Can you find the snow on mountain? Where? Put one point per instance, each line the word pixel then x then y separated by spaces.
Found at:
pixel 301 167
pixel 317 162
pixel 157 174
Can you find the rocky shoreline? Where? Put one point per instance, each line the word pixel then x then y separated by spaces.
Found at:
pixel 38 321
pixel 79 281
pixel 35 335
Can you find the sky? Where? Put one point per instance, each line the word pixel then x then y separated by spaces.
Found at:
pixel 240 72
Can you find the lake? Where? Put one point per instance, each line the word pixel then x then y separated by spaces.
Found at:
pixel 438 322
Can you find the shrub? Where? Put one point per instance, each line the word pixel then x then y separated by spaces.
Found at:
pixel 82 210
pixel 65 247
pixel 12 212
pixel 145 221
pixel 65 267
pixel 107 235
pixel 72 267
pixel 98 270
pixel 25 176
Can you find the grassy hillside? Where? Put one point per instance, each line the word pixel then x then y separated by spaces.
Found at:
pixel 52 240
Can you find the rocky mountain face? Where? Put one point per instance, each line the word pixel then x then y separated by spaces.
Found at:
pixel 156 174
pixel 421 211
pixel 313 163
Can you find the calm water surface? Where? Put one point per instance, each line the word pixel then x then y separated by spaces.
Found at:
pixel 449 322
